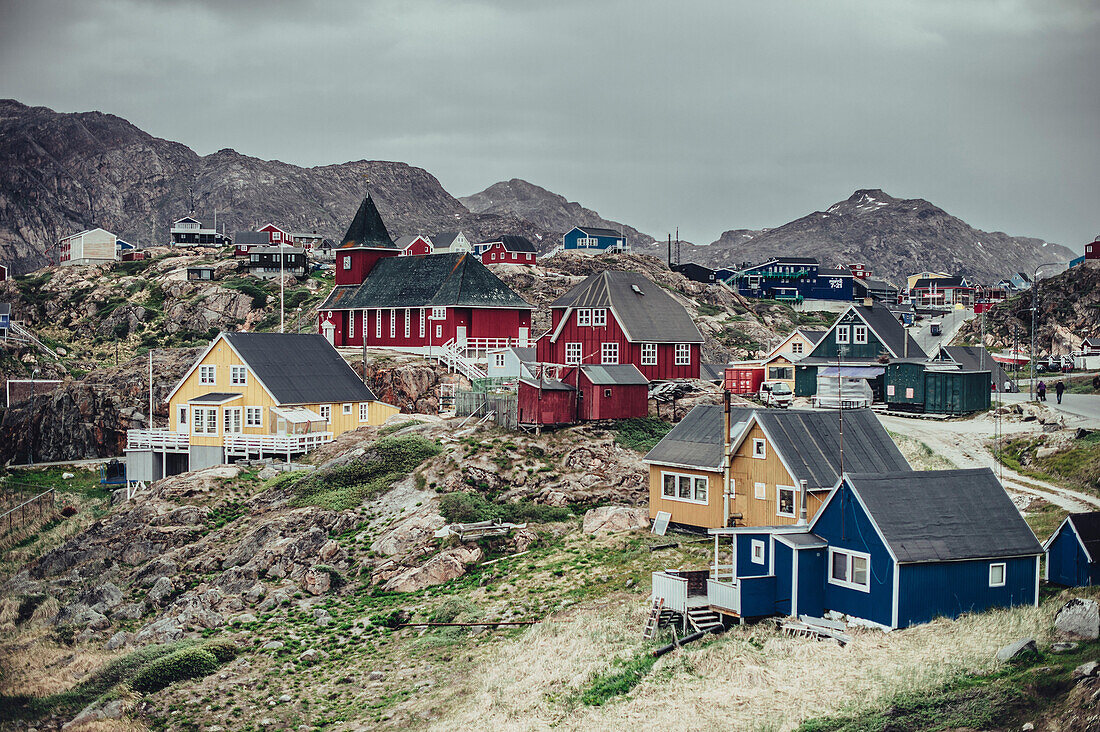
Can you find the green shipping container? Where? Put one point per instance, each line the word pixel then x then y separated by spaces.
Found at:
pixel 904 386
pixel 805 381
pixel 956 392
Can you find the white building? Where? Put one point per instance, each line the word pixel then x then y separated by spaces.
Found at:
pixel 448 242
pixel 91 246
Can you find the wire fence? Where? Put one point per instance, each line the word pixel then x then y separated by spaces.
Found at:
pixel 31 512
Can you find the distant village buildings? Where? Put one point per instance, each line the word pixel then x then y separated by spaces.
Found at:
pixel 91 246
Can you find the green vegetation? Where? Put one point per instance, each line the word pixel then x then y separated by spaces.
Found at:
pixel 624 676
pixel 468 508
pixel 37 480
pixel 251 288
pixel 384 463
pixel 1077 467
pixel 186 663
pixel 641 433
pixel 997 700
pixel 708 309
pixel 389 429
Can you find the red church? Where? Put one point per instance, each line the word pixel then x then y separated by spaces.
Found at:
pixel 416 302
pixel 620 318
pixel 509 250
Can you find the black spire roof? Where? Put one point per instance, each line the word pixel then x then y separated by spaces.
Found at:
pixel 367 229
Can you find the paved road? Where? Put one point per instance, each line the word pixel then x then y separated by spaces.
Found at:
pixel 1081 410
pixel 951 323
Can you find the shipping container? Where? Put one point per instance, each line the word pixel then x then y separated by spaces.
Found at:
pixel 805 381
pixel 956 392
pixel 905 386
pixel 744 378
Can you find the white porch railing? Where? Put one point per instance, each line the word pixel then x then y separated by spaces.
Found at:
pixel 157 440
pixel 673 589
pixel 451 356
pixel 484 345
pixel 245 445
pixel 724 595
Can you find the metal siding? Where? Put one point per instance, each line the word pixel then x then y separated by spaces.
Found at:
pixel 784 568
pixel 844 525
pixel 904 376
pixel 1066 561
pixel 950 392
pixel 948 589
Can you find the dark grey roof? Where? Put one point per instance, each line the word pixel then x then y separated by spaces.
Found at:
pixel 430 280
pixel 976 358
pixel 878 285
pixel 645 312
pixel 889 330
pixel 5 308
pixel 547 384
pixel 526 354
pixel 367 229
pixel 276 249
pixel 215 397
pixel 252 237
pixel 515 244
pixel 403 242
pixel 712 371
pixel 626 374
pixel 809 443
pixel 805 540
pixel 814 335
pixel 793 260
pixel 833 272
pixel 299 368
pixel 444 239
pixel 597 231
pixel 697 440
pixel 1091 342
pixel 943 515
pixel 1087 526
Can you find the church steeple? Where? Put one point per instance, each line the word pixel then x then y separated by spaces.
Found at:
pixel 367 229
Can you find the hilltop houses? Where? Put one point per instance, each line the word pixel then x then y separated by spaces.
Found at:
pixel 91 246
pixel 793 279
pixel 594 240
pixel 942 291
pixel 271 262
pixel 509 250
pixel 451 242
pixel 191 231
pixel 253 395
pixel 414 245
pixel 623 317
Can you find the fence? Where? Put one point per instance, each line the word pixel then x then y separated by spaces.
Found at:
pixel 505 407
pixel 33 510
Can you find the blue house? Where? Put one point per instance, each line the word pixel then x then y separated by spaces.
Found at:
pixel 1073 551
pixel 594 240
pixel 889 549
pixel 793 279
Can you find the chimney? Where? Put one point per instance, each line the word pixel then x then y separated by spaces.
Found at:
pixel 868 301
pixel 726 496
pixel 802 519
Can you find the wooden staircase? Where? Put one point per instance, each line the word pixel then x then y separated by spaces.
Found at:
pixel 652 622
pixel 703 619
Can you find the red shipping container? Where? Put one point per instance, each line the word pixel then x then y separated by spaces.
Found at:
pixel 744 379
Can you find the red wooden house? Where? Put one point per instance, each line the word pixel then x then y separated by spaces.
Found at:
pixel 411 246
pixel 1092 250
pixel 416 303
pixel 619 318
pixel 277 236
pixel 581 394
pixel 3 272
pixel 509 250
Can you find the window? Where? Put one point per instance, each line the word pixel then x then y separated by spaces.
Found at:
pixel 183 415
pixel 850 569
pixel 232 420
pixel 421 322
pixel 649 354
pixel 997 574
pixel 859 334
pixel 439 331
pixel 206 374
pixel 493 256
pixel 363 323
pixel 759 448
pixel 842 334
pixel 347 262
pixel 439 313
pixel 393 322
pixel 206 421
pixel 351 322
pixel 364 411
pixel 254 417
pixel 683 354
pixel 326 412
pixel 609 353
pixel 377 323
pixel 408 322
pixel 757 551
pixel 760 491
pixel 572 353
pixel 780 373
pixel 347 408
pixel 784 501
pixel 796 348
pixel 529 257
pixel 607 393
pixel 584 316
pixel 680 487
pixel 599 317
pixel 498 360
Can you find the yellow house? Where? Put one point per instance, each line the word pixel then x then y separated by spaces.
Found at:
pixel 705 480
pixel 779 362
pixel 251 395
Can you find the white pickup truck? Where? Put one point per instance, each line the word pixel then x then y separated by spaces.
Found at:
pixel 776 394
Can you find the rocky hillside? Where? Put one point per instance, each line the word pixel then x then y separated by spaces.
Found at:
pixel 60 173
pixel 544 209
pixel 1069 312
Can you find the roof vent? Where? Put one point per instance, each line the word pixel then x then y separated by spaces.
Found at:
pixel 637 289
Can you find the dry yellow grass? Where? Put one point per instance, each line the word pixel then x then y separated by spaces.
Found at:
pixel 750 678
pixel 37 666
pixel 109 725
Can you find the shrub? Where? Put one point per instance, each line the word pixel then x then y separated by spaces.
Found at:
pixel 189 663
pixel 223 650
pixel 68 511
pixel 468 508
pixel 641 433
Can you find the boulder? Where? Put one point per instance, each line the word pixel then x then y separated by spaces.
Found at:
pixel 610 519
pixel 129 611
pixel 1079 619
pixel 118 640
pixel 1018 649
pixel 160 590
pixel 1086 670
pixel 102 598
pixel 443 567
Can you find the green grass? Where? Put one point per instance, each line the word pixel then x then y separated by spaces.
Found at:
pixel 1076 467
pixel 1045 520
pixel 641 433
pixel 389 429
pixel 37 480
pixel 468 508
pixel 708 309
pixel 385 462
pixel 624 675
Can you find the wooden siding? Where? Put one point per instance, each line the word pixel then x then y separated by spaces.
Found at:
pixel 625 401
pixel 497 254
pixel 1066 561
pixel 361 262
pixel 948 589
pixel 746 471
pixel 546 407
pixel 592 339
pixel 704 516
pixel 479 323
pixel 870 350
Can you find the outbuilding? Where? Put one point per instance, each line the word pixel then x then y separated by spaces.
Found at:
pixel 1073 551
pixel 618 391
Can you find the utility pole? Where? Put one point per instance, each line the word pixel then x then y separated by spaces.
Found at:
pixel 1034 310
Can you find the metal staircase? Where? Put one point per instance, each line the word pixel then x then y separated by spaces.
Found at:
pixel 17 332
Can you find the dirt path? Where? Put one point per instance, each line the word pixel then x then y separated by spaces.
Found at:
pixel 964 443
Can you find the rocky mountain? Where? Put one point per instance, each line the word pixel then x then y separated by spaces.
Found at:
pixel 60 173
pixel 543 208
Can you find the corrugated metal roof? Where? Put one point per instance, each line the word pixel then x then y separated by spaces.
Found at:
pixel 943 515
pixel 697 440
pixel 621 374
pixel 643 309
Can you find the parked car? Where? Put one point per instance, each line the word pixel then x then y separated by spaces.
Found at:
pixel 776 394
pixel 935 328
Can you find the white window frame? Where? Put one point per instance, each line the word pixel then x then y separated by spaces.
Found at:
pixel 393 322
pixel 849 566
pixel 609 353
pixel 439 313
pixel 346 408
pixel 694 484
pixel 258 413
pixel 351 323
pixel 364 411
pixel 422 323
pixel 760 491
pixel 649 354
pixel 572 353
pixel 779 491
pixel 683 354
pixel 1003 566
pixel 498 360
pixel 204 379
pixel 843 335
pixel 408 322
pixel 584 317
pixel 232 418
pixel 756 553
pixel 796 348
pixel 200 421
pixel 347 262
pixel 599 317
pixel 238 375
pixel 439 331
pixel 859 334
pixel 326 413
pixel 759 448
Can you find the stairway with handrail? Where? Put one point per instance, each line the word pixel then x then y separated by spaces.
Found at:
pixel 451 356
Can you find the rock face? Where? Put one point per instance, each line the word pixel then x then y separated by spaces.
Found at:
pixel 60 173
pixel 443 567
pixel 1079 618
pixel 611 519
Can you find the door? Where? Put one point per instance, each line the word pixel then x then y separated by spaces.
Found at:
pixel 330 332
pixel 523 336
pixel 460 335
pixel 181 418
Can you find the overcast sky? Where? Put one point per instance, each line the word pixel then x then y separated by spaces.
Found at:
pixel 703 115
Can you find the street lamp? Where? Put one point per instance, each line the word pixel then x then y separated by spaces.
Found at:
pixel 1034 309
pixel 30 427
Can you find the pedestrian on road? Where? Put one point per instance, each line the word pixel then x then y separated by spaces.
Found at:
pixel 1008 386
pixel 1059 387
pixel 1041 391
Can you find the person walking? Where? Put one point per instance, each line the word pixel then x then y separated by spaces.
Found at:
pixel 1059 387
pixel 1041 391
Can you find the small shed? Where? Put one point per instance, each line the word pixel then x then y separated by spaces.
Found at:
pixel 546 402
pixel 904 381
pixel 618 391
pixel 744 378
pixel 1073 551
pixel 956 392
pixel 133 255
pixel 200 273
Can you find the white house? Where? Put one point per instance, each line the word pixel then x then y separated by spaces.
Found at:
pixel 91 246
pixel 447 242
